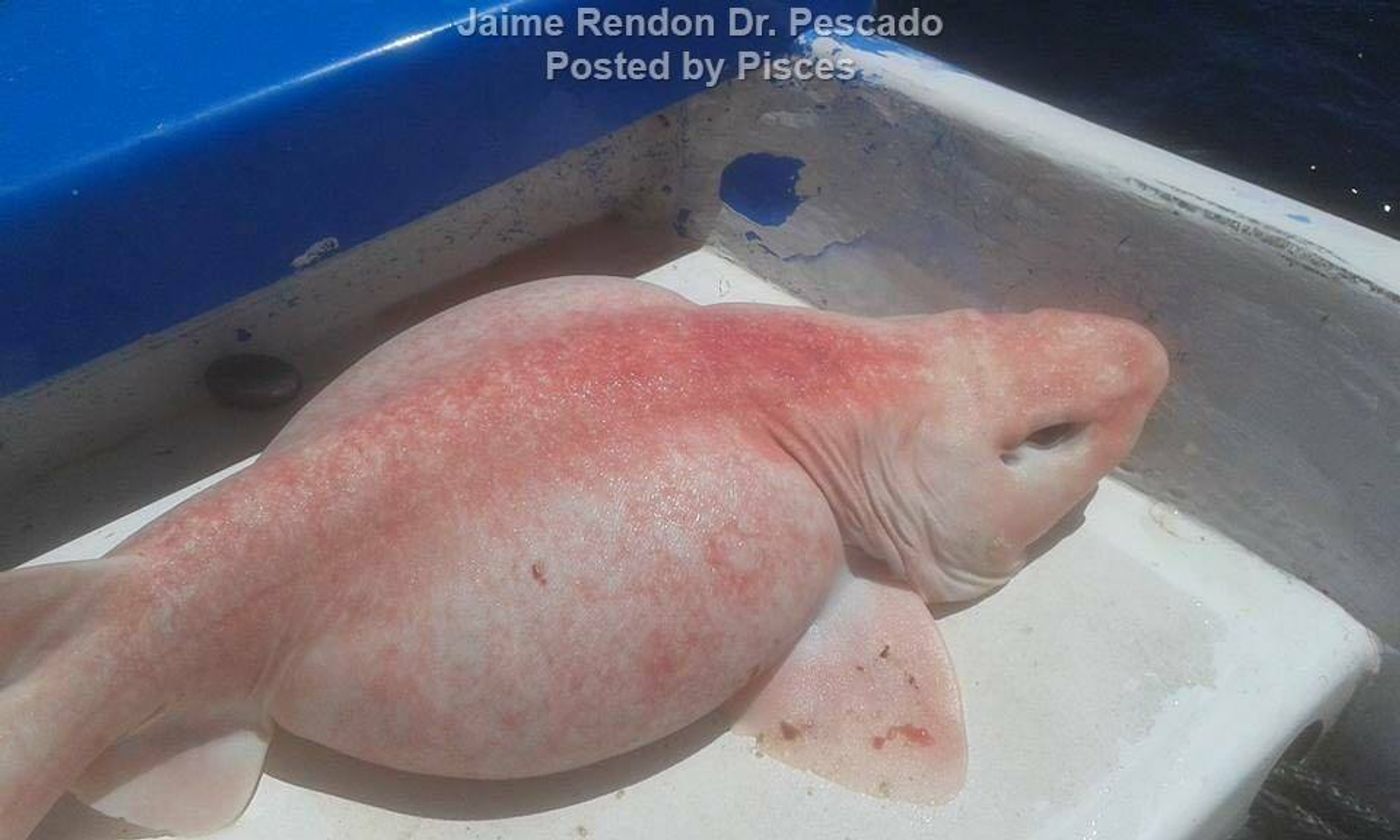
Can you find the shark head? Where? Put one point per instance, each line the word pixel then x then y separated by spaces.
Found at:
pixel 1021 416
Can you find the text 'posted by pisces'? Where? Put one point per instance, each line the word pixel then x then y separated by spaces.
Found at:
pixel 647 55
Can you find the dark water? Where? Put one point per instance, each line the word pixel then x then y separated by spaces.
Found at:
pixel 1301 97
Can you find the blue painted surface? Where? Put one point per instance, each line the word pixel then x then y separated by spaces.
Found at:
pixel 1299 217
pixel 762 187
pixel 159 159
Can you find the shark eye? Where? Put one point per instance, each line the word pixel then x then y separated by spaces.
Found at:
pixel 1053 435
pixel 1042 439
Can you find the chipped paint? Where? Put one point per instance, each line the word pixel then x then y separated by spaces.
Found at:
pixel 318 251
pixel 762 187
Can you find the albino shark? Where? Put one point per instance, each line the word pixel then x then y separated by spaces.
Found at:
pixel 561 521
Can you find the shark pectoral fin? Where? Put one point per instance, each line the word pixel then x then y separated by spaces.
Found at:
pixel 184 772
pixel 867 699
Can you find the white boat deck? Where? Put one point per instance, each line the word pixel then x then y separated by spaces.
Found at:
pixel 1136 681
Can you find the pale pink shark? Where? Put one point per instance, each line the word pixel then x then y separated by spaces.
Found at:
pixel 561 521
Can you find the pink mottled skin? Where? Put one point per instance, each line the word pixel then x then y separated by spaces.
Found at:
pixel 867 699
pixel 568 518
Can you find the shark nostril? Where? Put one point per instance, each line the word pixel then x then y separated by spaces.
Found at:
pixel 1044 438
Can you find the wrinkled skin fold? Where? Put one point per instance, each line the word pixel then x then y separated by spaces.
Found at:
pixel 564 520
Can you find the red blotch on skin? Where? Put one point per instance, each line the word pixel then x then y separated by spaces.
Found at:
pixel 916 736
pixel 538 574
pixel 659 669
pixel 730 582
pixel 668 657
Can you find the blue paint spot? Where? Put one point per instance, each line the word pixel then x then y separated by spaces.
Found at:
pixel 1299 217
pixel 762 187
pixel 752 236
pixel 682 219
